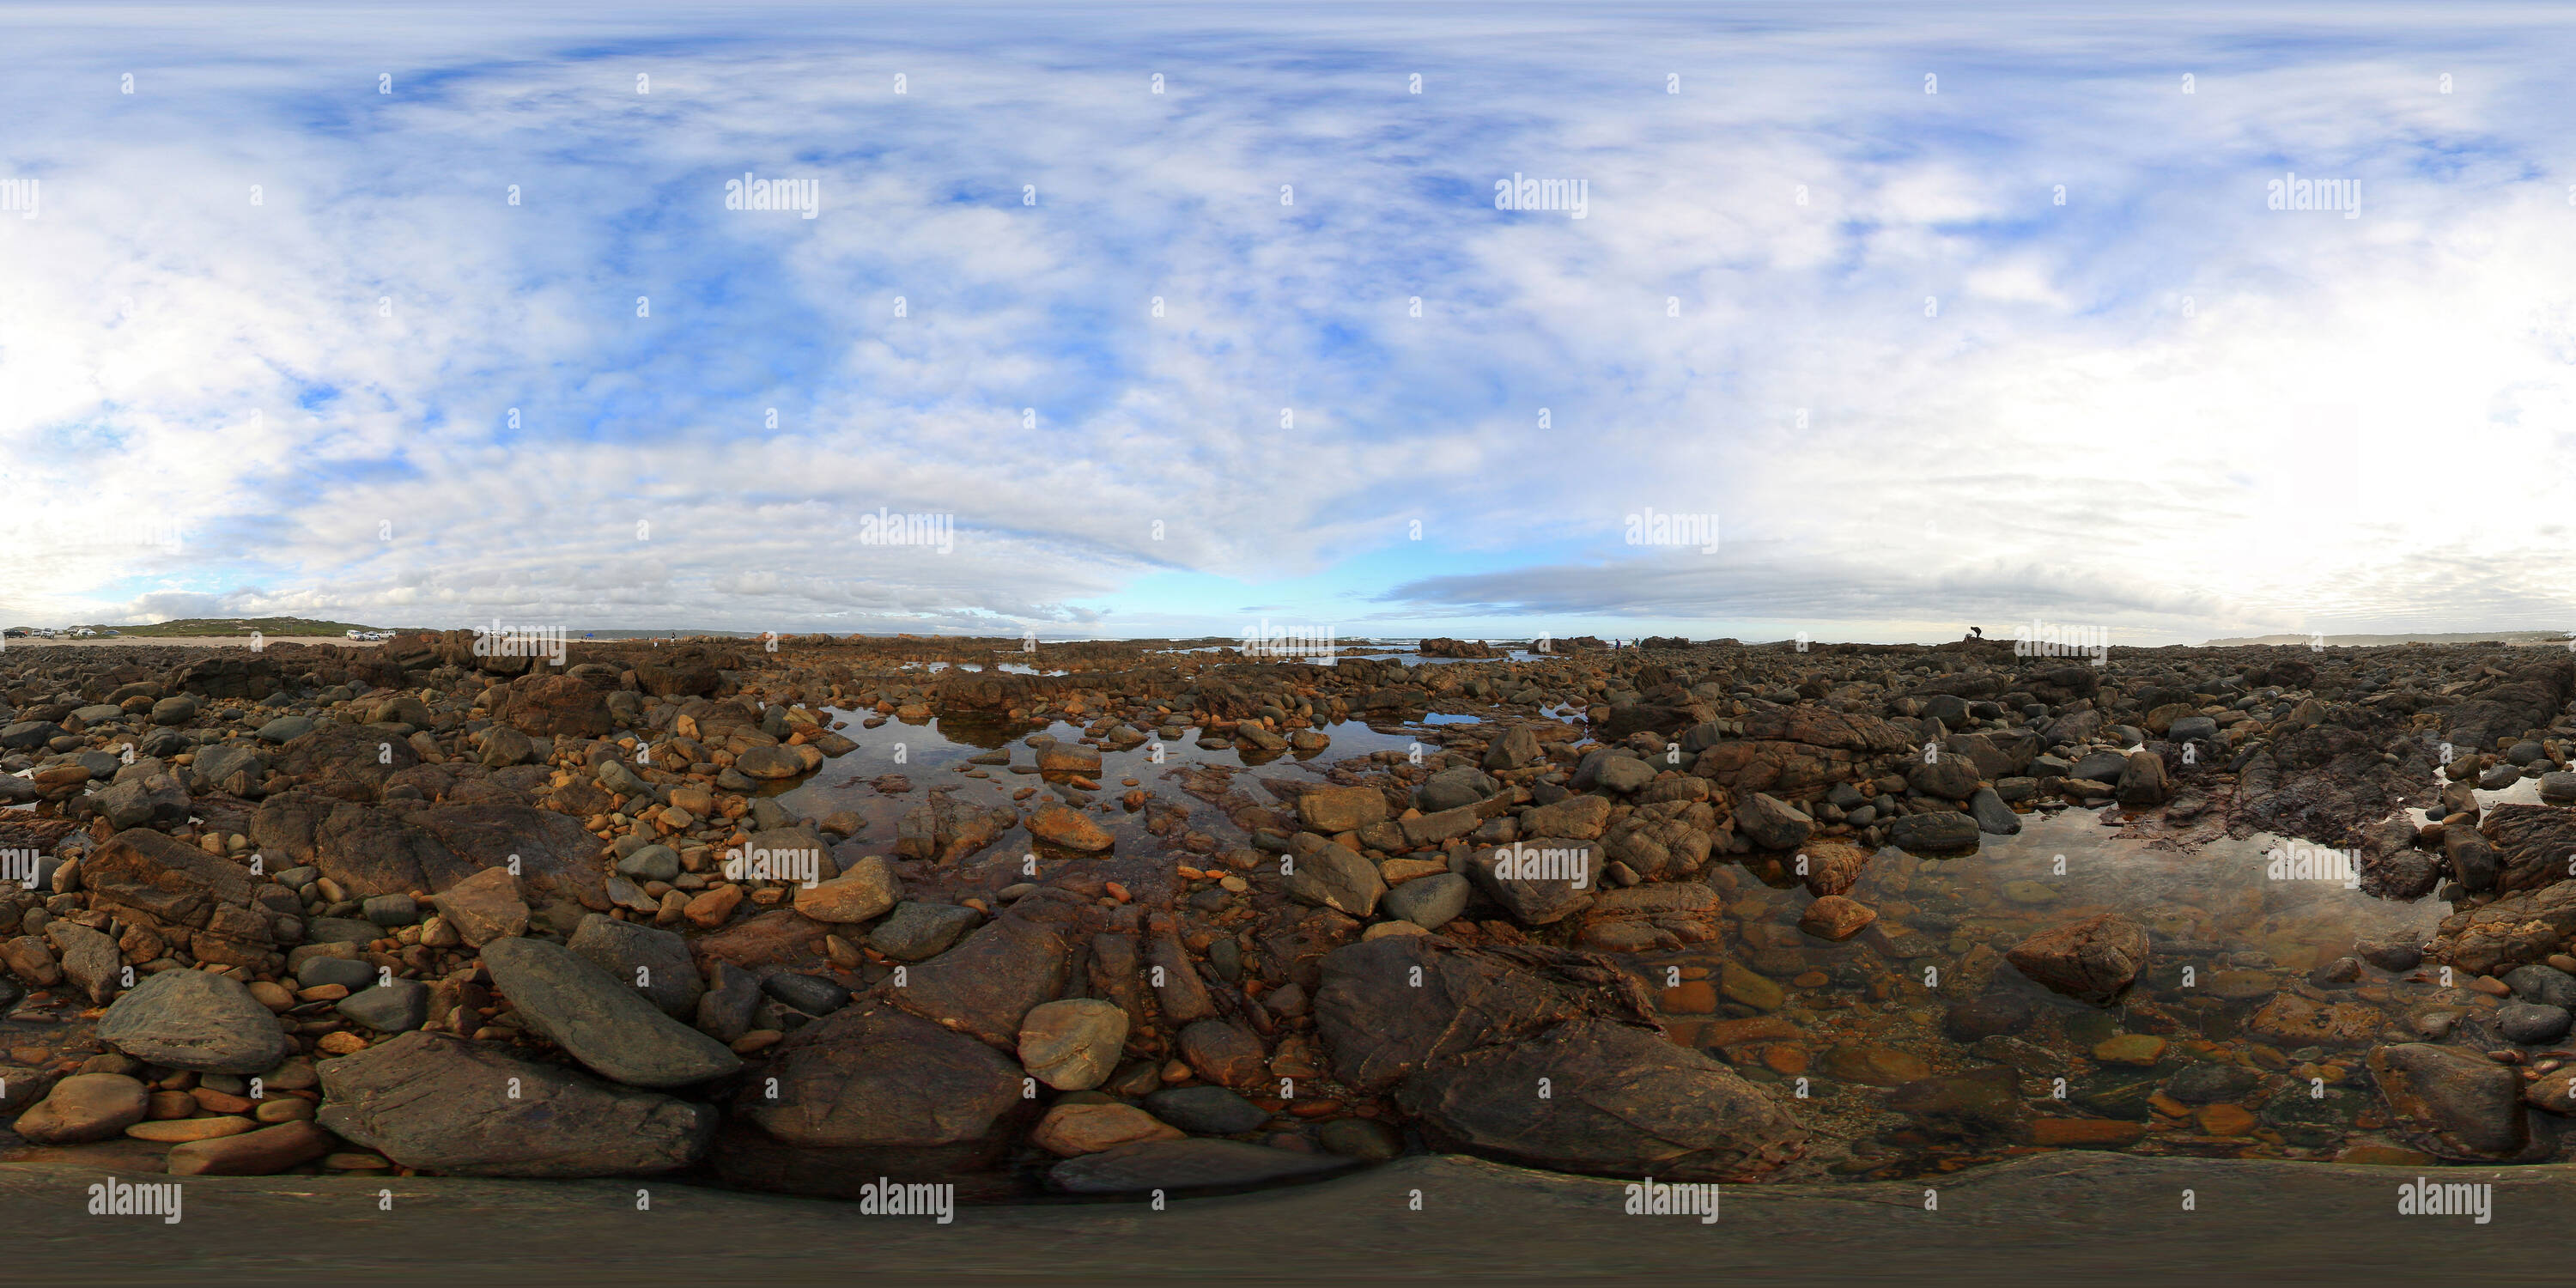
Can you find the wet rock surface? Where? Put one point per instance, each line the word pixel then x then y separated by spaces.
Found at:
pixel 440 1102
pixel 1678 884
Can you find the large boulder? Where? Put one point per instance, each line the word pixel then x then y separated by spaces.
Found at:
pixel 156 879
pixel 85 1107
pixel 2531 843
pixel 2516 930
pixel 870 1091
pixel 2452 1102
pixel 367 849
pixel 231 675
pixel 945 830
pixel 987 984
pixel 1831 867
pixel 441 1103
pixel 151 800
pixel 90 959
pixel 1939 832
pixel 1341 809
pixel 1379 1024
pixel 1606 1098
pixel 2391 865
pixel 2094 960
pixel 1429 902
pixel 682 677
pixel 1454 788
pixel 349 762
pixel 1795 751
pixel 552 703
pixel 554 854
pixel 1541 880
pixel 1323 874
pixel 194 1019
pixel 1771 823
pixel 605 1022
pixel 655 961
pixel 1952 778
pixel 1073 1044
pixel 218 765
pixel 484 907
pixel 2143 781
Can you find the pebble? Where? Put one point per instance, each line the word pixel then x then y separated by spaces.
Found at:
pixel 181 1130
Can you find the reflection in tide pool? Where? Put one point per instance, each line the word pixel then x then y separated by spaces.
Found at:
pixel 937 754
pixel 1914 1043
pixel 1923 1046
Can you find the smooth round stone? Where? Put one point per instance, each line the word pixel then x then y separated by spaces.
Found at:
pixel 396 1007
pixel 285 729
pixel 179 1131
pixel 85 1107
pixel 769 763
pixel 390 910
pixel 812 994
pixel 919 930
pixel 2558 788
pixel 1206 1111
pixel 2529 1022
pixel 189 1019
pixel 1073 1044
pixel 652 863
pixel 1360 1138
pixel 2546 985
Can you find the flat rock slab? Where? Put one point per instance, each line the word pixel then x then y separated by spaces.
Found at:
pixel 605 1022
pixel 435 1101
pixel 193 1019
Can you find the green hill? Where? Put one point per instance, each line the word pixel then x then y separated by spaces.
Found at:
pixel 280 627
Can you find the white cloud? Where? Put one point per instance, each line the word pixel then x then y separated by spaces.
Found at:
pixel 2159 405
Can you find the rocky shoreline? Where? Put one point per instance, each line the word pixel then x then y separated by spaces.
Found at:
pixel 1124 918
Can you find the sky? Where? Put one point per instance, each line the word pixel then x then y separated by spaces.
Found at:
pixel 1872 322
